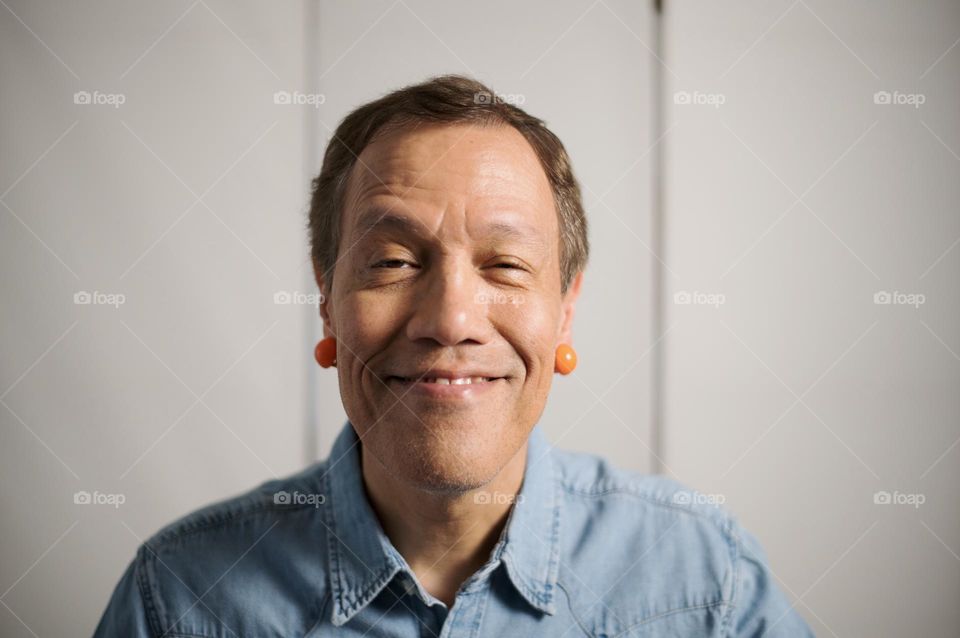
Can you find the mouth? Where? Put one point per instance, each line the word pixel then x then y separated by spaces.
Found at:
pixel 446 380
pixel 447 384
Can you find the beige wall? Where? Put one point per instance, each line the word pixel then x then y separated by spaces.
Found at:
pixel 185 200
pixel 797 199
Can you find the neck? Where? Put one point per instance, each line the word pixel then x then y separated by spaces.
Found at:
pixel 445 538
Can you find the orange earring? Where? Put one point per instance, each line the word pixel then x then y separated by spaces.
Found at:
pixel 566 359
pixel 326 352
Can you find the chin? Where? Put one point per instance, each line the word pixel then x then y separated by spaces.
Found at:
pixel 444 459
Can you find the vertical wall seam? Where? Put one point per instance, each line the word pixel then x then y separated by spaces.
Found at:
pixel 657 240
pixel 311 158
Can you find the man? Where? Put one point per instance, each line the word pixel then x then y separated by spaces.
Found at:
pixel 449 241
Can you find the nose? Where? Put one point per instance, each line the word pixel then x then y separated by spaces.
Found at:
pixel 448 310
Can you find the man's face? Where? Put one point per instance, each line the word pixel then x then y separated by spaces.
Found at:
pixel 448 268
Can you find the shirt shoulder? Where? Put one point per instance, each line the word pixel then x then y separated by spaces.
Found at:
pixel 647 546
pixel 228 514
pixel 202 562
pixel 589 478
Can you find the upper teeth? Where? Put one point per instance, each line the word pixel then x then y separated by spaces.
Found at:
pixel 456 381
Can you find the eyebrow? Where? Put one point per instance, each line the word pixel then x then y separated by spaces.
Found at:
pixel 376 219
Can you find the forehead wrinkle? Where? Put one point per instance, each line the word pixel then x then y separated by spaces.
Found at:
pixel 408 159
pixel 377 218
pixel 405 174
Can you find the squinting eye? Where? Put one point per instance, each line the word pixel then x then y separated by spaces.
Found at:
pixel 391 263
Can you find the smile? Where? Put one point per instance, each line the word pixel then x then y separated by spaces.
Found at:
pixel 456 388
pixel 449 380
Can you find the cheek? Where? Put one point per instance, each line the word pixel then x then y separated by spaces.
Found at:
pixel 531 328
pixel 364 331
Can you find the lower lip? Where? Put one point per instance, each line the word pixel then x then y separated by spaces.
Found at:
pixel 444 391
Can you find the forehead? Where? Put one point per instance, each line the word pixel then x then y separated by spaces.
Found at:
pixel 459 172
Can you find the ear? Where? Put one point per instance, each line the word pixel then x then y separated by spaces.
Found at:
pixel 568 305
pixel 326 309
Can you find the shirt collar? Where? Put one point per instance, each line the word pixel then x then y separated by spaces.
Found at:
pixel 531 547
pixel 361 558
pixel 362 561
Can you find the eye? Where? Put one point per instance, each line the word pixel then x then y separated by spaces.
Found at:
pixel 508 265
pixel 392 263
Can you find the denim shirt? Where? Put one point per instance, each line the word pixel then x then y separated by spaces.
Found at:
pixel 588 550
